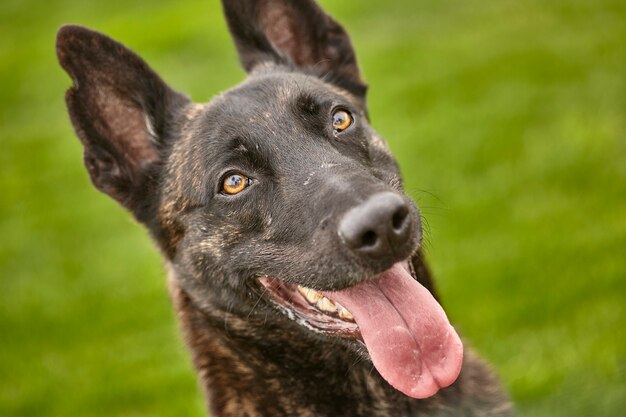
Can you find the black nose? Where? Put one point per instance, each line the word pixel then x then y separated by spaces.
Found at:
pixel 379 227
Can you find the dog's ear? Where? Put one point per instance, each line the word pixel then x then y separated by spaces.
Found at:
pixel 121 111
pixel 294 32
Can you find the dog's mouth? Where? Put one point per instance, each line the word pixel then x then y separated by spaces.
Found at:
pixel 406 332
pixel 311 308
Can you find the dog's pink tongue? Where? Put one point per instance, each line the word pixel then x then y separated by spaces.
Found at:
pixel 407 333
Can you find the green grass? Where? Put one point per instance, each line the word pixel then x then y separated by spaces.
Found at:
pixel 509 122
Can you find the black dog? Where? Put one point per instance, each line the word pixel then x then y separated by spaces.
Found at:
pixel 293 251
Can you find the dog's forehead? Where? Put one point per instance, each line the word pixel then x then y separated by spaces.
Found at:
pixel 263 106
pixel 272 93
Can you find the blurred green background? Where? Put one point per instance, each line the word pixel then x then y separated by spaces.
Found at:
pixel 508 118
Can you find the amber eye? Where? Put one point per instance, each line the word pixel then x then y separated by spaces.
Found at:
pixel 235 183
pixel 341 120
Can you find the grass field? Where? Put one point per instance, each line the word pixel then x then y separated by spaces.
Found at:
pixel 509 121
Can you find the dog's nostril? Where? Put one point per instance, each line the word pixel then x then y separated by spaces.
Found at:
pixel 369 239
pixel 398 219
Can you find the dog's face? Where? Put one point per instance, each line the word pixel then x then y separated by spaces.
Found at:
pixel 277 197
pixel 263 176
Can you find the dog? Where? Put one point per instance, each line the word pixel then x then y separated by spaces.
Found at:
pixel 293 253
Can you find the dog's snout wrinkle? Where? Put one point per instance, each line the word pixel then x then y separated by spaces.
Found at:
pixel 380 227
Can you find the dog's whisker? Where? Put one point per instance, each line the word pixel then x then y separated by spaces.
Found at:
pixel 354 363
pixel 320 62
pixel 415 190
pixel 257 302
pixel 439 208
pixel 426 232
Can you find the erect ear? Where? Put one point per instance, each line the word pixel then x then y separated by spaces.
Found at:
pixel 295 32
pixel 122 112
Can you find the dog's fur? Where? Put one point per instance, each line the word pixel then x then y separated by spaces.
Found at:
pixel 162 157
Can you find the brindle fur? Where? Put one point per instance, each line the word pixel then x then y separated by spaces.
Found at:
pixel 162 157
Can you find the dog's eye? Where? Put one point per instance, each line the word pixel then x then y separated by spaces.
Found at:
pixel 234 183
pixel 341 120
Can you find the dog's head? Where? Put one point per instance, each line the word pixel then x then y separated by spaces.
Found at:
pixel 277 197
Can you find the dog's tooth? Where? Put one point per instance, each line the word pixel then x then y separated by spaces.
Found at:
pixel 345 314
pixel 311 295
pixel 326 305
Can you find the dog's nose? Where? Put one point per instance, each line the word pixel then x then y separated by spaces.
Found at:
pixel 379 227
